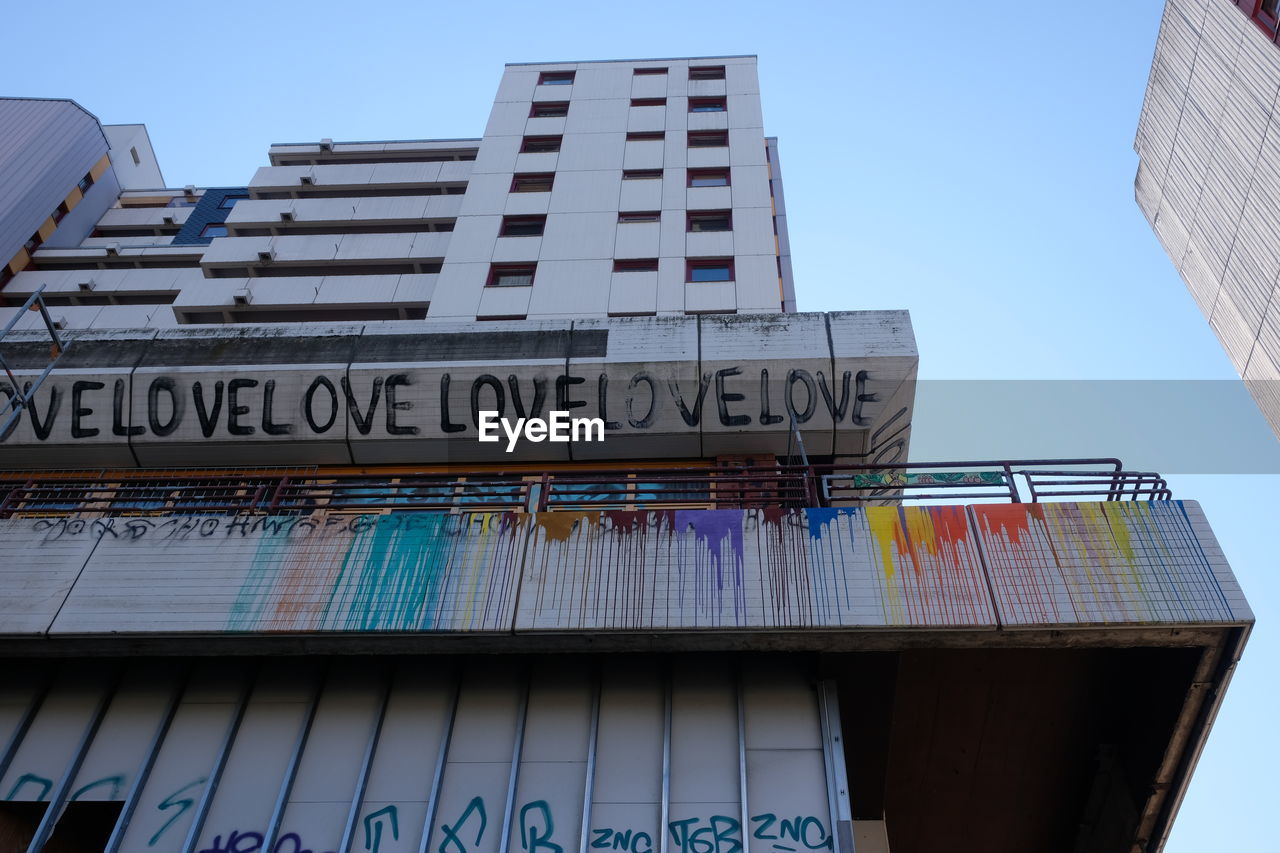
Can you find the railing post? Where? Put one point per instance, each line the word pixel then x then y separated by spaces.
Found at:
pixel 11 497
pixel 544 489
pixel 278 493
pixel 1013 485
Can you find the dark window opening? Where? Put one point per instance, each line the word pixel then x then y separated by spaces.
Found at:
pixel 636 265
pixel 533 182
pixel 648 102
pixel 214 229
pixel 708 177
pixel 708 139
pixel 549 109
pixel 706 72
pixel 711 220
pixel 641 72
pixel 511 275
pixel 640 216
pixel 707 105
pixel 60 211
pixel 540 145
pixel 642 175
pixel 85 182
pixel 522 226
pixel 645 136
pixel 556 78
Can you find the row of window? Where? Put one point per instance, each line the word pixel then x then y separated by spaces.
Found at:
pixel 696 270
pixel 696 72
pixel 560 109
pixel 696 221
pixel 696 139
pixel 542 182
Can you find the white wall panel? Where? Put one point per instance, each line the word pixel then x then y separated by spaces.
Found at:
pixel 516 249
pixel 605 115
pixel 710 297
pixel 589 152
pixel 643 155
pixel 602 80
pixel 637 239
pixel 504 301
pixel 127 729
pixel 517 84
pixel 579 236
pixel 750 185
pixel 507 118
pixel 647 118
pixel 498 154
pixel 640 195
pixel 547 162
pixel 584 192
pixel 633 293
pixel 746 148
pixel 568 288
pixel 702 158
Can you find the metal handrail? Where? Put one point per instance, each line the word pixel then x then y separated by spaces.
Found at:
pixel 160 492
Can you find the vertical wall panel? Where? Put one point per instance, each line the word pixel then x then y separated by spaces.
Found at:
pixel 627 795
pixel 125 733
pixel 479 761
pixel 167 803
pixel 705 783
pixel 417 715
pixel 259 756
pixel 51 741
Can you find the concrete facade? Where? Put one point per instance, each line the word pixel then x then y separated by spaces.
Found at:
pixel 1209 149
pixel 262 590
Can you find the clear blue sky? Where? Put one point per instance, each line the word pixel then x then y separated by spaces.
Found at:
pixel 970 161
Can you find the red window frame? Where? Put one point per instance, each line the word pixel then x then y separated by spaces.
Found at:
pixel 556 78
pixel 508 221
pixel 642 175
pixel 541 141
pixel 708 139
pixel 695 174
pixel 691 264
pixel 641 72
pixel 543 105
pixel 697 215
pixel 636 265
pixel 520 177
pixel 721 104
pixel 496 270
pixel 632 216
pixel 1269 21
pixel 646 136
pixel 648 102
pixel 706 72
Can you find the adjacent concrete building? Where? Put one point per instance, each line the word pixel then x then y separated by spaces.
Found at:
pixel 1209 149
pixel 262 587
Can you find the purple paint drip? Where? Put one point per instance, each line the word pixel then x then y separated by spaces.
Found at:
pixel 713 526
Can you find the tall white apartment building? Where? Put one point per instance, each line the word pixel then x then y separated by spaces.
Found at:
pixel 633 188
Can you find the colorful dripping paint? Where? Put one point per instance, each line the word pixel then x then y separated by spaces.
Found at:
pixel 938 566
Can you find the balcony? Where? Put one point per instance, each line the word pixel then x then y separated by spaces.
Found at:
pixel 990 546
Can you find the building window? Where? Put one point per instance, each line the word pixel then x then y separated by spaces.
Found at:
pixel 645 136
pixel 708 139
pixel 34 243
pixel 60 211
pixel 636 265
pixel 556 78
pixel 85 183
pixel 229 201
pixel 706 72
pixel 214 229
pixel 549 109
pixel 641 72
pixel 522 226
pixel 640 216
pixel 711 220
pixel 1268 14
pixel 708 177
pixel 710 269
pixel 511 275
pixel 540 145
pixel 133 152
pixel 533 182
pixel 648 102
pixel 642 175
pixel 6 275
pixel 707 105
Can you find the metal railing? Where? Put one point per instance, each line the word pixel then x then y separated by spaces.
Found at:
pixel 705 486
